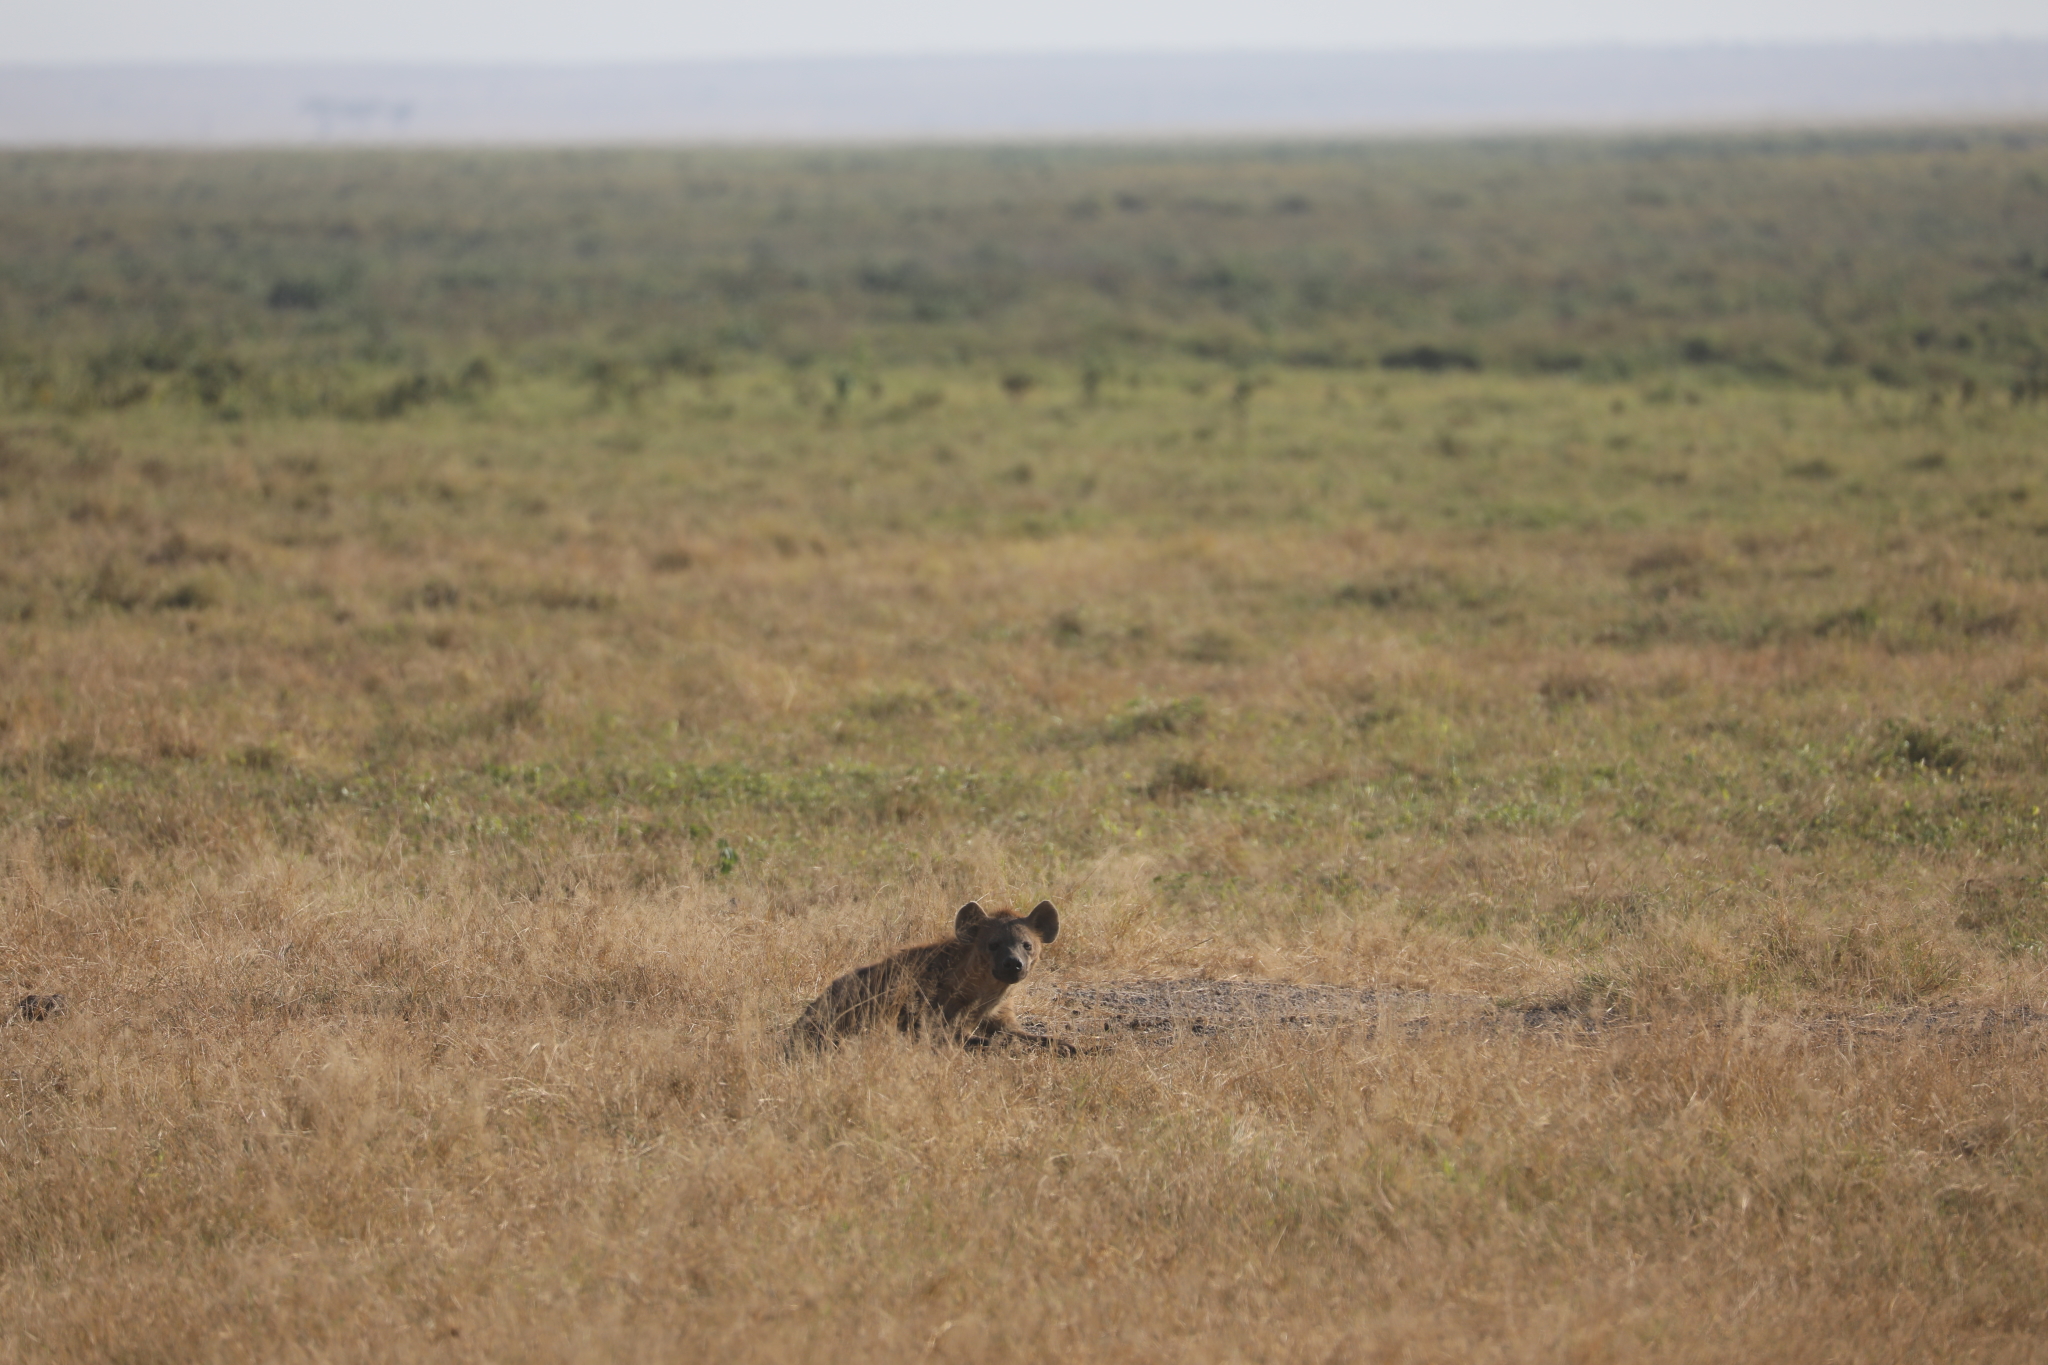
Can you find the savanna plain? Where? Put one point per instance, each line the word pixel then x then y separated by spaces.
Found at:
pixel 485 637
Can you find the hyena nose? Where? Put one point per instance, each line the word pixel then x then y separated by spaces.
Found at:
pixel 1010 969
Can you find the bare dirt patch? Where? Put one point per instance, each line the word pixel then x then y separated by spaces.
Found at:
pixel 1164 1008
pixel 1161 1009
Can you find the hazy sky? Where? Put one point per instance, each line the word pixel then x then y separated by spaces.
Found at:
pixel 550 31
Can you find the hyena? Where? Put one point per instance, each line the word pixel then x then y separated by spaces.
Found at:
pixel 954 987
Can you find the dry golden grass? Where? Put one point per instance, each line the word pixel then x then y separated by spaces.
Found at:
pixel 434 825
pixel 336 1109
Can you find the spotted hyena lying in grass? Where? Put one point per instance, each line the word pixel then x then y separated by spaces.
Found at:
pixel 951 988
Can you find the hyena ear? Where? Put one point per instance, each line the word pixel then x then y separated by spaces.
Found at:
pixel 969 920
pixel 1044 921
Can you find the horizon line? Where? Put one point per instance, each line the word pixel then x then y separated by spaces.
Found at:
pixel 1015 97
pixel 1615 45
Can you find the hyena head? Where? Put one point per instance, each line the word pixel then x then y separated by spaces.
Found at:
pixel 1007 944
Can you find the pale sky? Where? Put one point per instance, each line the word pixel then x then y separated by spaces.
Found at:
pixel 50 32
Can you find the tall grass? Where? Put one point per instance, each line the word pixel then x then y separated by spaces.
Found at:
pixel 371 1107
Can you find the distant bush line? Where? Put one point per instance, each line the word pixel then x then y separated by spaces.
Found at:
pixel 372 283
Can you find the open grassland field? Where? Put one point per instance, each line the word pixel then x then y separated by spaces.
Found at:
pixel 484 639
